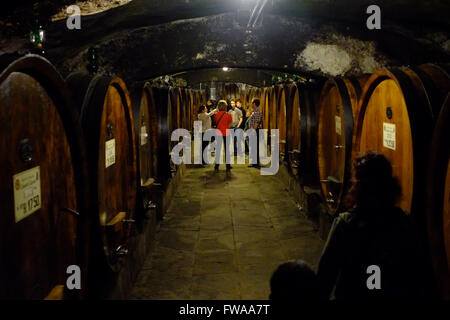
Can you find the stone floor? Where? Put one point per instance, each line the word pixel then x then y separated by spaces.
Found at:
pixel 223 236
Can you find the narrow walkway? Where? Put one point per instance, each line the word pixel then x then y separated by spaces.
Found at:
pixel 222 238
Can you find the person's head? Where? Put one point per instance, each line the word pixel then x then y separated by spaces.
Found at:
pixel 202 109
pixel 238 103
pixel 374 186
pixel 222 105
pixel 233 103
pixel 255 103
pixel 294 280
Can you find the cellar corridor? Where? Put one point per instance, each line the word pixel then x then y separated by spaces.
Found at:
pixel 223 236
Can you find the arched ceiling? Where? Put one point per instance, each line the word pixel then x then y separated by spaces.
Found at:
pixel 145 38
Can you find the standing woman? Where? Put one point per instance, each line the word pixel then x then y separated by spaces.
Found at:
pixel 205 117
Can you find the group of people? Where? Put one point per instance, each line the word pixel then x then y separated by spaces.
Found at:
pixel 226 116
pixel 372 252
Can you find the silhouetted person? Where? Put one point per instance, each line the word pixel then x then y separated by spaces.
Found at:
pixel 373 233
pixel 294 280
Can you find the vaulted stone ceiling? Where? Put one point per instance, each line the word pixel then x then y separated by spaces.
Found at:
pixel 144 38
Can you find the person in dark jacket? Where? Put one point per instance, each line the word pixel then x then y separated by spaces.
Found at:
pixel 372 251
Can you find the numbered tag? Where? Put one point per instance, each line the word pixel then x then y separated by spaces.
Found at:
pixel 27 193
pixel 110 150
pixel 144 135
pixel 338 125
pixel 389 135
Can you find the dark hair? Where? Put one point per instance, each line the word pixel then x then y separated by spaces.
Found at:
pixel 232 100
pixel 238 100
pixel 256 101
pixel 201 108
pixel 374 187
pixel 294 280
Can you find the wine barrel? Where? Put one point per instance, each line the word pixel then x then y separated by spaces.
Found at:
pixel 231 91
pixel 164 114
pixel 44 189
pixel 265 107
pixel 272 108
pixel 184 108
pixel 175 109
pixel 301 133
pixel 108 127
pixel 192 110
pixel 395 119
pixel 436 81
pixel 281 118
pixel 173 118
pixel 203 97
pixel 147 131
pixel 438 200
pixel 338 106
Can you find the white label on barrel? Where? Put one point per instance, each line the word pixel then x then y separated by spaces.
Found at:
pixel 338 125
pixel 27 192
pixel 389 135
pixel 144 135
pixel 110 150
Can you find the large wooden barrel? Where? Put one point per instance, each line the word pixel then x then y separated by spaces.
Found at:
pixel 44 188
pixel 272 108
pixel 438 200
pixel 301 140
pixel 338 106
pixel 436 81
pixel 190 110
pixel 395 119
pixel 176 102
pixel 231 91
pixel 147 131
pixel 164 124
pixel 281 118
pixel 108 127
pixel 265 107
pixel 174 122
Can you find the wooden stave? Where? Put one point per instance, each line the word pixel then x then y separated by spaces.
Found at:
pixel 51 81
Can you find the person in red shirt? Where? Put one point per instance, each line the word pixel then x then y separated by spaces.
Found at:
pixel 223 120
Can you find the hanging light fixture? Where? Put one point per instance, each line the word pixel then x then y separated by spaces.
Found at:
pixel 37 36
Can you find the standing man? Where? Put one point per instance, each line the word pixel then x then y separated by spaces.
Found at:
pixel 223 121
pixel 236 120
pixel 255 121
pixel 244 118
